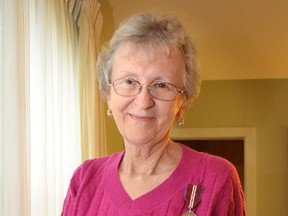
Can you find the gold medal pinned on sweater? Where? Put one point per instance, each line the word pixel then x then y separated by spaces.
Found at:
pixel 192 196
pixel 189 213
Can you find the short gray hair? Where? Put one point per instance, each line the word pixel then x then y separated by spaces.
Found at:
pixel 147 30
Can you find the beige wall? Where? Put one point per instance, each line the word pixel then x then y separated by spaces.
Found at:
pixel 263 105
pixel 242 39
pixel 114 139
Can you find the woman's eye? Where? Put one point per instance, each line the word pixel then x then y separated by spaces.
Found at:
pixel 160 85
pixel 129 81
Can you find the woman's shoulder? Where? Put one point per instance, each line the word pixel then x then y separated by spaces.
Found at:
pixel 96 166
pixel 90 172
pixel 220 181
pixel 102 161
pixel 211 170
pixel 208 162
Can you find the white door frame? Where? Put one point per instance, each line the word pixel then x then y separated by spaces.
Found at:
pixel 246 134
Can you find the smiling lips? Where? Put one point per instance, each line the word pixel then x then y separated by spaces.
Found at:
pixel 141 118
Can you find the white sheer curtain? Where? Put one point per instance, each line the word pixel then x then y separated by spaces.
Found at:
pixel 39 107
pixel 14 163
pixel 10 130
pixel 55 119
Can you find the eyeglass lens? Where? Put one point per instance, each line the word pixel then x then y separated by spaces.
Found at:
pixel 159 89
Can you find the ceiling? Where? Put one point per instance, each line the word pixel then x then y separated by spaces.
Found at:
pixel 240 39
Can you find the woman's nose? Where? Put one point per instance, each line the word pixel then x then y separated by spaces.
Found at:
pixel 144 99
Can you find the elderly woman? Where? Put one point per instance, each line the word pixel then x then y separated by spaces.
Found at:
pixel 149 76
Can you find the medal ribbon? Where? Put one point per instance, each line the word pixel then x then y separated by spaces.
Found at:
pixel 193 195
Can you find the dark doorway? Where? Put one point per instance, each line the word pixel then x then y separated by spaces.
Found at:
pixel 232 150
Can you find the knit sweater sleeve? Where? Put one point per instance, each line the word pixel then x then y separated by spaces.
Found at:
pixel 74 188
pixel 230 198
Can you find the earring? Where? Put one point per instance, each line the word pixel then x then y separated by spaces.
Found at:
pixel 180 121
pixel 109 113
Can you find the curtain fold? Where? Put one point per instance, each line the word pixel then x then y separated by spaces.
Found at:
pixel 93 133
pixel 24 106
pixel 14 138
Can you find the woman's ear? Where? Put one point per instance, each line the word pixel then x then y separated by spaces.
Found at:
pixel 180 116
pixel 181 111
pixel 109 111
pixel 107 97
pixel 182 107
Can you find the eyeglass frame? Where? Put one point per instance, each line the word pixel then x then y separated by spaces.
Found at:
pixel 179 91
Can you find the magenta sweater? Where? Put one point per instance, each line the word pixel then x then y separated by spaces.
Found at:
pixel 95 189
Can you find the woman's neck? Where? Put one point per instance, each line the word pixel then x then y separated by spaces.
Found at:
pixel 150 160
pixel 142 169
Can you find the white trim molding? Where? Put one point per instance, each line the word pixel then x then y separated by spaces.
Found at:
pixel 246 134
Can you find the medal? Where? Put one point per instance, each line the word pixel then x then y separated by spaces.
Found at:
pixel 193 195
pixel 189 213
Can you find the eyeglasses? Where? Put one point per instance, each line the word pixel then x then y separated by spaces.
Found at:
pixel 158 89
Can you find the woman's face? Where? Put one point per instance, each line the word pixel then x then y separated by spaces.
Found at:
pixel 142 119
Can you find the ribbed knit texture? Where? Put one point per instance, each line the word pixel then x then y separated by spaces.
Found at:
pixel 95 189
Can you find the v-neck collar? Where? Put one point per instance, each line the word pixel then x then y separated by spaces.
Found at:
pixel 123 202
